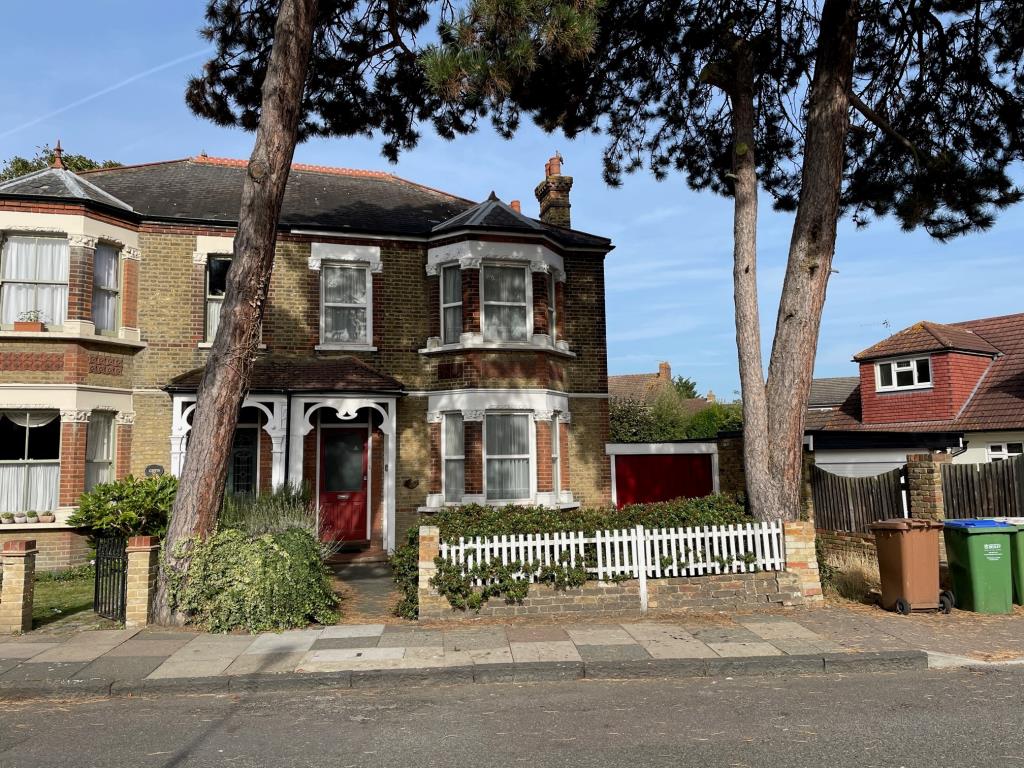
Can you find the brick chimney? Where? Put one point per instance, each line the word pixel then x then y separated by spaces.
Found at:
pixel 515 206
pixel 664 371
pixel 710 397
pixel 553 194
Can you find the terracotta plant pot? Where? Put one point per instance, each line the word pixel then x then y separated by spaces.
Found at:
pixel 26 326
pixel 47 518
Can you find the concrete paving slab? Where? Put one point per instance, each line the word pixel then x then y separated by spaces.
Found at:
pixel 24 650
pixel 32 671
pixel 326 643
pixel 8 664
pixel 353 630
pixel 542 634
pixel 667 641
pixel 265 663
pixel 491 655
pixel 411 639
pixel 162 644
pixel 744 649
pixel 347 658
pixel 582 635
pixel 475 639
pixel 724 635
pixel 122 668
pixel 779 630
pixel 297 641
pixel 557 650
pixel 612 652
pixel 797 647
pixel 437 657
pixel 204 667
pixel 87 646
pixel 212 648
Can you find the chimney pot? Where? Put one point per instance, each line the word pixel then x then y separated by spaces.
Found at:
pixel 664 370
pixel 515 205
pixel 553 194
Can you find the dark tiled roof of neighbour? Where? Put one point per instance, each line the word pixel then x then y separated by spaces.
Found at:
pixel 997 403
pixel 928 337
pixel 832 391
pixel 276 373
pixel 209 189
pixel 59 183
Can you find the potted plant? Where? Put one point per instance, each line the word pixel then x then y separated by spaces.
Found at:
pixel 20 517
pixel 32 517
pixel 30 321
pixel 47 517
pixel 6 518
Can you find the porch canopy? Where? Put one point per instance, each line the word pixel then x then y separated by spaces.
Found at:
pixel 289 391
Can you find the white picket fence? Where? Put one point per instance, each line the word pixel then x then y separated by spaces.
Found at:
pixel 638 553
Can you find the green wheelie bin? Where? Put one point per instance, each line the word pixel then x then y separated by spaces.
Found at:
pixel 1016 556
pixel 978 552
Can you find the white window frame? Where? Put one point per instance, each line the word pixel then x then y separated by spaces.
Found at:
pixel 49 322
pixel 116 291
pixel 112 435
pixel 367 344
pixel 531 456
pixel 552 307
pixel 527 302
pixel 26 462
pixel 451 304
pixel 556 455
pixel 902 361
pixel 445 458
pixel 1002 452
pixel 207 298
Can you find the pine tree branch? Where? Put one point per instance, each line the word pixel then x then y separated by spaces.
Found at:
pixel 880 122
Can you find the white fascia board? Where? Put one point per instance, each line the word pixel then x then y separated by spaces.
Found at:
pixel 478 251
pixel 659 449
pixel 357 254
pixel 497 399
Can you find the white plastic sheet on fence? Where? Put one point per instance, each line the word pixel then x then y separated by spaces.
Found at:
pixel 638 553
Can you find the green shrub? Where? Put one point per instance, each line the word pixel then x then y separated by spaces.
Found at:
pixel 258 583
pixel 128 507
pixel 480 520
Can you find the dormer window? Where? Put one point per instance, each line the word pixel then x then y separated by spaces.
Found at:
pixel 908 373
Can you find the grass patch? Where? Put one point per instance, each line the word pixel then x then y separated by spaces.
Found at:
pixel 849 576
pixel 63 594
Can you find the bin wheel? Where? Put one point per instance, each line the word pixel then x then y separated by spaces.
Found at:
pixel 946 602
pixel 903 607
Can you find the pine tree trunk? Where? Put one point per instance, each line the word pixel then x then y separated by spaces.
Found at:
pixel 812 246
pixel 226 377
pixel 761 488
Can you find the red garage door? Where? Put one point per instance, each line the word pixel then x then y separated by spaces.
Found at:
pixel 661 477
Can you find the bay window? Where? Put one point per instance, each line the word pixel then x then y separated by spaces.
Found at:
pixel 507 456
pixel 909 373
pixel 29 460
pixel 506 303
pixel 99 449
pixel 106 268
pixel 556 455
pixel 451 305
pixel 454 452
pixel 34 279
pixel 216 284
pixel 345 304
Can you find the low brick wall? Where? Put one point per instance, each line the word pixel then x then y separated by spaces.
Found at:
pixel 838 544
pixel 59 549
pixel 749 591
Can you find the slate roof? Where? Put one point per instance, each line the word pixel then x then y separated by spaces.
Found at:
pixel 209 189
pixel 60 183
pixel 492 213
pixel 280 373
pixel 997 403
pixel 928 337
pixel 831 391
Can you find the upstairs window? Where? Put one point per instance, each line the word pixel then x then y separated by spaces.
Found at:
pixel 910 373
pixel 454 458
pixel 106 267
pixel 506 303
pixel 34 280
pixel 1004 451
pixel 451 305
pixel 552 308
pixel 345 304
pixel 216 284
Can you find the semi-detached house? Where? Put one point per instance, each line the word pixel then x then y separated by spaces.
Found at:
pixel 417 349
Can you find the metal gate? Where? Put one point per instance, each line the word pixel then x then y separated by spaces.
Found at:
pixel 111 578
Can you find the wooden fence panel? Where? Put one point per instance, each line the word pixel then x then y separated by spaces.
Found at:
pixel 983 490
pixel 851 504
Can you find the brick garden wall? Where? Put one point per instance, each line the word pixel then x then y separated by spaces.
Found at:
pixel 58 549
pixel 836 544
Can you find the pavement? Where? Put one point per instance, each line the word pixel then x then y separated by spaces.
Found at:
pixel 916 719
pixel 112 662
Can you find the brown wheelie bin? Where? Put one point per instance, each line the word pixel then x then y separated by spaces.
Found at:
pixel 908 563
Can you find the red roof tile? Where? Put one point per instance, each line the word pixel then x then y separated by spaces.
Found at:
pixel 928 337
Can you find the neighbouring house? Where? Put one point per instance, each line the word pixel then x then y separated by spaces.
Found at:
pixel 955 387
pixel 418 349
pixel 645 388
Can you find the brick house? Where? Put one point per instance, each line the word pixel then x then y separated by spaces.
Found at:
pixel 951 387
pixel 417 349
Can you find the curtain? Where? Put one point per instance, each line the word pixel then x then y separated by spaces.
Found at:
pixel 344 285
pixel 505 317
pixel 212 318
pixel 30 266
pixel 104 294
pixel 451 293
pixel 99 449
pixel 345 325
pixel 508 435
pixel 30 418
pixel 505 284
pixel 454 468
pixel 42 489
pixel 12 487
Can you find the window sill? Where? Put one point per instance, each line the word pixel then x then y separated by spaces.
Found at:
pixel 897 390
pixel 345 348
pixel 65 336
pixel 434 347
pixel 209 345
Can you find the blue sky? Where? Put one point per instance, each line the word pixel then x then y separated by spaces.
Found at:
pixel 111 84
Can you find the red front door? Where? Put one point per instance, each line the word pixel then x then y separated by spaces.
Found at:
pixel 343 483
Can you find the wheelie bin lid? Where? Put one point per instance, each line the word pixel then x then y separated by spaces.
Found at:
pixel 904 524
pixel 979 526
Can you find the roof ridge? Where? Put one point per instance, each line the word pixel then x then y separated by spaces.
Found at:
pixel 233 162
pixel 133 165
pixel 960 323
